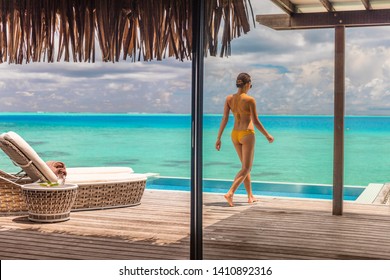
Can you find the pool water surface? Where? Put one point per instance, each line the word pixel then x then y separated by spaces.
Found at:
pixel 292 190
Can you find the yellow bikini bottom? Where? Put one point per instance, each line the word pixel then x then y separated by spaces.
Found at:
pixel 237 135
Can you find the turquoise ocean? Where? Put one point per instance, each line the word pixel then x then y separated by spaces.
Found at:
pixel 160 143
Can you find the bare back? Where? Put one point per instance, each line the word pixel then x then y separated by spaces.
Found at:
pixel 240 105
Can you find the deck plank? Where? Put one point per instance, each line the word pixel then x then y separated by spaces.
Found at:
pixel 159 228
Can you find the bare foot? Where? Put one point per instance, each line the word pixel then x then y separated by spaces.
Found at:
pixel 252 199
pixel 229 199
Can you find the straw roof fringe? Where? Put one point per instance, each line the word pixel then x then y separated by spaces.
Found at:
pixel 65 30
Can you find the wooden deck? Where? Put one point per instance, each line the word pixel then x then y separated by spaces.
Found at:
pixel 159 229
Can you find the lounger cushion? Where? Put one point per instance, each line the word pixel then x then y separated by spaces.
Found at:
pixel 93 178
pixel 102 170
pixel 29 155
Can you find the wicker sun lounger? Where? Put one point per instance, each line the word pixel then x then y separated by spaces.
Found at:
pixel 98 187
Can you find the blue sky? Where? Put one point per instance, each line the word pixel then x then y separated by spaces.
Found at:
pixel 292 73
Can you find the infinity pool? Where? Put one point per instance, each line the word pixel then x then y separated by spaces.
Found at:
pixel 309 191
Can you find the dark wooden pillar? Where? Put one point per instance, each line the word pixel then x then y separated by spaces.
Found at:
pixel 196 231
pixel 339 112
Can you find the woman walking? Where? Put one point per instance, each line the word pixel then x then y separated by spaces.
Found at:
pixel 243 107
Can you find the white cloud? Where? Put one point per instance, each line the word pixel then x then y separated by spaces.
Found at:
pixel 8 102
pixel 120 86
pixel 166 96
pixel 314 73
pixel 26 93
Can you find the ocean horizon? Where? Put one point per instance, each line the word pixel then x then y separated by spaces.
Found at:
pixel 175 114
pixel 160 143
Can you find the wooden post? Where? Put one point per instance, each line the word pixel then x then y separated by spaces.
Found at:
pixel 339 111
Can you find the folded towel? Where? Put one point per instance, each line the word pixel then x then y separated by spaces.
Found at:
pixel 58 168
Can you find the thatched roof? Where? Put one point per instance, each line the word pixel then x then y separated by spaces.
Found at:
pixel 56 30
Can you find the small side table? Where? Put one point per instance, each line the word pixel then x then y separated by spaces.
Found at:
pixel 49 204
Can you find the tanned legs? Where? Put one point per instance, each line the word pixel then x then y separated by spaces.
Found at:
pixel 245 151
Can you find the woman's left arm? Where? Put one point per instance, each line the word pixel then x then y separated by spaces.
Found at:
pixel 257 123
